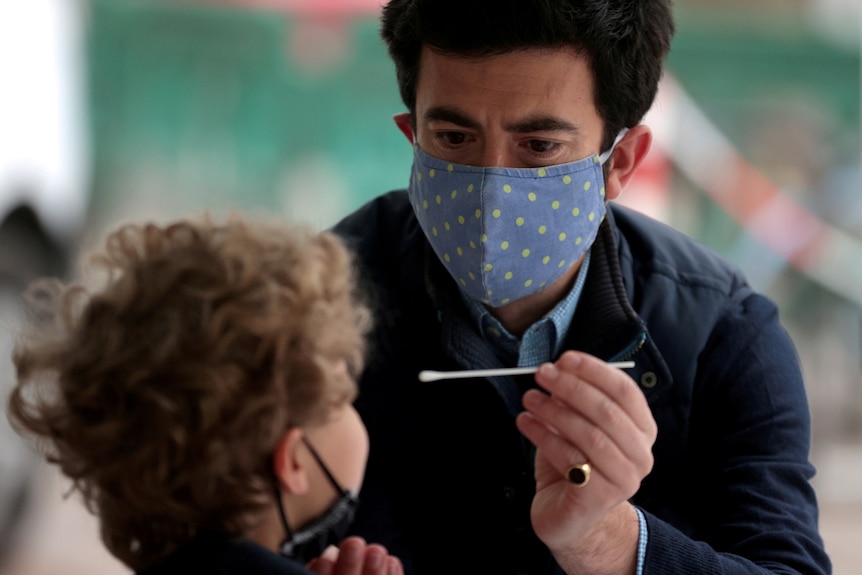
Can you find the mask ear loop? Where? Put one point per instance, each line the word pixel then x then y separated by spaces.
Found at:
pixel 280 504
pixel 338 487
pixel 278 497
pixel 607 153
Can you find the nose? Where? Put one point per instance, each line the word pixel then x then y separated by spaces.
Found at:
pixel 496 154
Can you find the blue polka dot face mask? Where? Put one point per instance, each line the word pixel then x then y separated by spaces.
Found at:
pixel 506 233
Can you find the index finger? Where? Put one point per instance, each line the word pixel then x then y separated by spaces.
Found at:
pixel 613 382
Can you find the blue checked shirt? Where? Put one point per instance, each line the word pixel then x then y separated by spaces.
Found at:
pixel 542 342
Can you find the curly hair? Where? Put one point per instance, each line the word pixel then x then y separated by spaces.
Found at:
pixel 162 393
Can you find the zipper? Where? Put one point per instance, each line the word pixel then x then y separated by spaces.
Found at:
pixel 632 349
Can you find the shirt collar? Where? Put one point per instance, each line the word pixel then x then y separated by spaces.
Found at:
pixel 543 341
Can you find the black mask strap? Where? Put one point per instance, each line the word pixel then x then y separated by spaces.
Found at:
pixel 341 491
pixel 278 496
pixel 280 504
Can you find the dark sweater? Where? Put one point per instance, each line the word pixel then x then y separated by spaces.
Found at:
pixel 730 489
pixel 217 554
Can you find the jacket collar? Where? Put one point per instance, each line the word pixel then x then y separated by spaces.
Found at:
pixel 605 324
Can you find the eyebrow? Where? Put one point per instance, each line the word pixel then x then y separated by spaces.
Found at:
pixel 526 126
pixel 451 115
pixel 541 124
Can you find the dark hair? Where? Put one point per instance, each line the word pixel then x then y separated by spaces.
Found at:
pixel 162 393
pixel 625 41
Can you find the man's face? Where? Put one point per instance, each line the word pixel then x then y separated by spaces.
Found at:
pixel 522 109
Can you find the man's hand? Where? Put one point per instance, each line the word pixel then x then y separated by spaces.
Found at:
pixel 593 413
pixel 356 557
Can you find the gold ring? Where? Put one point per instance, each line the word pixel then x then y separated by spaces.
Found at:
pixel 579 475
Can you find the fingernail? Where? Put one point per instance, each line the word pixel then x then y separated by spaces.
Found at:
pixel 571 359
pixel 374 559
pixel 353 552
pixel 549 370
pixel 532 398
pixel 330 553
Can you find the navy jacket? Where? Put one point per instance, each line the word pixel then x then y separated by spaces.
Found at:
pixel 450 476
pixel 217 554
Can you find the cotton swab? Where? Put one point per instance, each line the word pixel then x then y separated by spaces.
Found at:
pixel 430 375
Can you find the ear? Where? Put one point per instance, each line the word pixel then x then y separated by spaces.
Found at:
pixel 404 121
pixel 288 466
pixel 627 156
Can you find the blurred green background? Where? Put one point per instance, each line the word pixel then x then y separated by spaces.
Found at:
pixel 206 105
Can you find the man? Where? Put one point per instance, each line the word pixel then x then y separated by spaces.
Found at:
pixel 505 251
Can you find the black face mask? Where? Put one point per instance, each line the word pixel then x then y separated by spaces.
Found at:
pixel 328 529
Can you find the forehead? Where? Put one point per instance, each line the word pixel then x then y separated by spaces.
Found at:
pixel 530 82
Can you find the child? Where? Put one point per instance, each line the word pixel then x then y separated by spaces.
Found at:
pixel 200 398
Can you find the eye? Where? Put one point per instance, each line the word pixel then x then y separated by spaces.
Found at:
pixel 451 138
pixel 541 146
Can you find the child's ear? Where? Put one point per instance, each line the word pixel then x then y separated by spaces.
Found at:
pixel 288 467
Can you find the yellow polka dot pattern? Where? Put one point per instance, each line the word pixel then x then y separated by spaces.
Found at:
pixel 504 233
